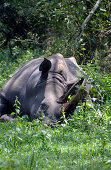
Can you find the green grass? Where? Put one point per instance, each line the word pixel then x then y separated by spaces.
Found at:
pixel 83 142
pixel 30 145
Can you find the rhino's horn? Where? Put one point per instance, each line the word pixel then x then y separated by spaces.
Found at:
pixel 71 105
pixel 64 97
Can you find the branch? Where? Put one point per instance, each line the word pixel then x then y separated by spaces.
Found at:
pixel 87 19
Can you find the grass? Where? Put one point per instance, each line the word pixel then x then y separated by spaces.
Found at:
pixel 83 142
pixel 30 145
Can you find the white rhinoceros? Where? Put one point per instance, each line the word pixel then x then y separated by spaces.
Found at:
pixel 43 86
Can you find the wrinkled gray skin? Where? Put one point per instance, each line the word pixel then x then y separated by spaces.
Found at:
pixel 39 84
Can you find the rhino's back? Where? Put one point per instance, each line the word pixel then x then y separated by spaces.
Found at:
pixel 16 85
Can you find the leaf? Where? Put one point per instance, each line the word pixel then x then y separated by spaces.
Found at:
pixel 106 14
pixel 81 54
pixel 17 111
pixel 83 49
pixel 89 104
pixel 104 10
pixel 13 113
pixel 109 161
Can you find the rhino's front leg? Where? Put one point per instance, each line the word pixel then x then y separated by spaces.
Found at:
pixel 5 109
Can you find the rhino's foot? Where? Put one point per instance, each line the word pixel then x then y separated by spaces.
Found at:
pixel 6 118
pixel 6 108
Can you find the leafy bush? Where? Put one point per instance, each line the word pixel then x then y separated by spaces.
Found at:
pixel 54 25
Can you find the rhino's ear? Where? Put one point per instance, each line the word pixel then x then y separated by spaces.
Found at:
pixel 45 66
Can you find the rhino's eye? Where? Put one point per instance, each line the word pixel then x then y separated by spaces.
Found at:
pixel 63 74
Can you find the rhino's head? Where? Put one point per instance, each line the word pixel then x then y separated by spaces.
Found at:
pixel 48 94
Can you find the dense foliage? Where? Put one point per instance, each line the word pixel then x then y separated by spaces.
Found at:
pixel 54 25
pixel 38 28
